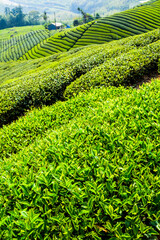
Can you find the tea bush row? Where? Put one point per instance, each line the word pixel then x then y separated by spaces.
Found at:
pixel 95 176
pixel 159 66
pixel 125 69
pixel 15 47
pixel 36 123
pixel 47 86
pixel 131 22
pixel 59 42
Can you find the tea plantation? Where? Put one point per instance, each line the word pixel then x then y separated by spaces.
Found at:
pixel 66 174
pixel 15 47
pixel 128 23
pixel 79 143
pixel 63 75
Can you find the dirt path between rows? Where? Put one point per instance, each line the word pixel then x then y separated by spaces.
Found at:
pixel 147 78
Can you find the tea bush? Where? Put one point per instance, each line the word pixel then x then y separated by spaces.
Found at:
pixel 48 85
pixel 92 172
pixel 123 70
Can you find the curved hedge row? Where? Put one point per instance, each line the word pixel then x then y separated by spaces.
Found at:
pixel 93 175
pixel 48 85
pixel 16 47
pixel 123 70
pixel 159 66
pixel 62 41
pixel 135 21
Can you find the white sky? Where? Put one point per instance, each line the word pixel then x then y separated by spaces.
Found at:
pixel 8 2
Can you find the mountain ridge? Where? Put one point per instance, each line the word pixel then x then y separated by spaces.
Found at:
pixel 101 6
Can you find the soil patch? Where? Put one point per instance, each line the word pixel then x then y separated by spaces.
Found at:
pixel 147 78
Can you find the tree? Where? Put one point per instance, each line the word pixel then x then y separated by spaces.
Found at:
pixel 45 16
pixel 16 16
pixel 3 23
pixel 75 23
pixel 19 16
pixel 11 20
pixel 33 17
pixel 84 15
pixel 89 17
pixel 7 11
pixel 97 16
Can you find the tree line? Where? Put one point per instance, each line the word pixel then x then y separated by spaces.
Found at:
pixel 15 18
pixel 86 17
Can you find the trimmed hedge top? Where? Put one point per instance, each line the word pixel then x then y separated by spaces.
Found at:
pixel 87 168
pixel 116 63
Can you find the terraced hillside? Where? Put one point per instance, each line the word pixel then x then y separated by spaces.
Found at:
pixel 15 47
pixel 63 75
pixel 79 144
pixel 135 21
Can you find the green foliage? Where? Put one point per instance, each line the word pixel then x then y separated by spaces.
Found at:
pixel 15 47
pixel 75 22
pixel 15 18
pixel 5 34
pixel 119 62
pixel 45 16
pixel 127 23
pixel 123 70
pixel 87 168
pixel 85 16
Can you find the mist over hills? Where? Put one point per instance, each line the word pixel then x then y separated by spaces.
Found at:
pixel 70 6
pixel 103 6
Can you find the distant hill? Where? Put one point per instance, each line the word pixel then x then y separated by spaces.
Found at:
pixel 70 6
pixel 103 6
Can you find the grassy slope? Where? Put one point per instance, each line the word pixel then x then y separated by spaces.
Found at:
pixel 17 31
pixel 6 34
pixel 115 63
pixel 71 175
pixel 135 21
pixel 18 44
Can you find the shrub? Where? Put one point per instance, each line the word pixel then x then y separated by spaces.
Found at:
pixel 48 85
pixel 94 177
pixel 125 69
